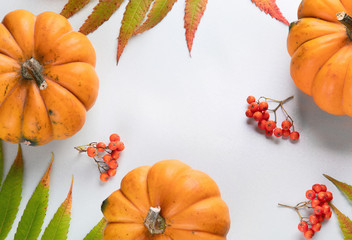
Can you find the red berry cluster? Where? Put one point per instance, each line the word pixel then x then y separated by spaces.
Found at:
pixel 105 156
pixel 258 110
pixel 319 199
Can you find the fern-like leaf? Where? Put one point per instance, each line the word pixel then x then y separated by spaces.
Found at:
pixel 32 219
pixel 10 195
pixel 101 13
pixel 343 187
pixel 270 7
pixel 73 6
pixel 97 232
pixel 345 223
pixel 134 15
pixel 194 11
pixel 159 10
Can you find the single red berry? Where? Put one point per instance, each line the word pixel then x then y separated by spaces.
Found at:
pixel 328 215
pixel 330 197
pixel 314 203
pixel 101 146
pixel 278 132
pixel 316 227
pixel 113 145
pixel 254 107
pixel 257 116
pixel 294 135
pixel 303 227
pixel 323 188
pixel 113 164
pixel 322 196
pixel 321 218
pixel 261 124
pixel 114 137
pixel 316 188
pixel 269 133
pixel 313 219
pixel 263 106
pixel 286 133
pixel 270 125
pixel 115 154
pixel 112 172
pixel 91 151
pixel 250 99
pixel 286 124
pixel 120 146
pixel 249 113
pixel 104 176
pixel 310 194
pixel 107 158
pixel 318 210
pixel 266 115
pixel 309 234
pixel 326 209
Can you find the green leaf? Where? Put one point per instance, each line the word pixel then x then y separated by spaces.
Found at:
pixel 134 15
pixel 60 223
pixel 1 162
pixel 97 232
pixel 159 10
pixel 32 219
pixel 101 13
pixel 73 6
pixel 10 195
pixel 345 188
pixel 194 11
pixel 345 223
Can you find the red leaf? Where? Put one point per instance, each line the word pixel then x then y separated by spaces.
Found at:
pixel 72 7
pixel 270 7
pixel 194 10
pixel 101 13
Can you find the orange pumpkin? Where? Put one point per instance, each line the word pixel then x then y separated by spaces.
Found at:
pixel 320 44
pixel 168 201
pixel 47 78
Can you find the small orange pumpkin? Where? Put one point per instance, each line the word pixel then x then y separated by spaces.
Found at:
pixel 320 44
pixel 47 78
pixel 169 201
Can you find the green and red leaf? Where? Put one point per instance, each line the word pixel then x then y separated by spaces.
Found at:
pixel 73 6
pixel 194 11
pixel 32 219
pixel 270 7
pixel 159 10
pixel 60 223
pixel 343 187
pixel 97 232
pixel 10 195
pixel 101 13
pixel 345 223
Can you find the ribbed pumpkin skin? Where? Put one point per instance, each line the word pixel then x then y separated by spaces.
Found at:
pixel 321 54
pixel 190 203
pixel 31 115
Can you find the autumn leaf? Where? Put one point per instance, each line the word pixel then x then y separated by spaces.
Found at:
pixel 159 10
pixel 132 18
pixel 194 10
pixel 97 232
pixel 270 7
pixel 344 187
pixel 345 223
pixel 73 6
pixel 101 13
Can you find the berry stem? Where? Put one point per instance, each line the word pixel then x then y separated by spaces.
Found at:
pixel 297 207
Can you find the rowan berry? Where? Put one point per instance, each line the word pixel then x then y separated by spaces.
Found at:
pixel 318 210
pixel 112 172
pixel 322 196
pixel 326 209
pixel 310 194
pixel 249 113
pixel 113 145
pixel 323 188
pixel 278 132
pixel 321 218
pixel 286 124
pixel 261 124
pixel 113 164
pixel 316 227
pixel 115 154
pixel 270 125
pixel 294 135
pixel 120 146
pixel 313 219
pixel 114 137
pixel 314 203
pixel 257 116
pixel 266 115
pixel 254 107
pixel 269 133
pixel 303 227
pixel 250 99
pixel 329 194
pixel 286 133
pixel 328 215
pixel 101 146
pixel 316 188
pixel 263 106
pixel 91 151
pixel 107 158
pixel 309 233
pixel 104 177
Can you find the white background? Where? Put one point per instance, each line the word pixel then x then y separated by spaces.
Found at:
pixel 166 104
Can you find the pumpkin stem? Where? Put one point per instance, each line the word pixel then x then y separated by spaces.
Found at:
pixel 346 20
pixel 32 70
pixel 154 222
